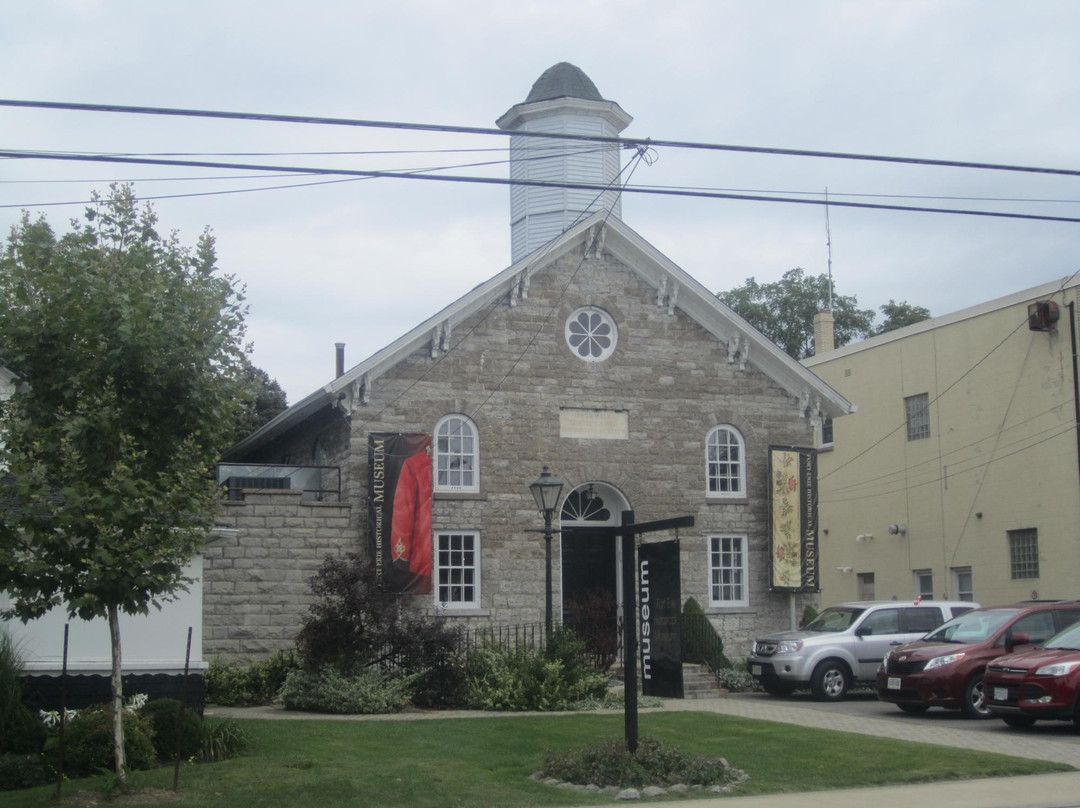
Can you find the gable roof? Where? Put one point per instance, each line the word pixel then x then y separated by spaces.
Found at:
pixel 675 289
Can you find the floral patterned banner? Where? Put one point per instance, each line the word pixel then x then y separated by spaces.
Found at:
pixel 793 540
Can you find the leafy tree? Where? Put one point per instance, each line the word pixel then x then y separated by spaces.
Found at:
pixel 784 311
pixel 131 347
pixel 263 400
pixel 898 315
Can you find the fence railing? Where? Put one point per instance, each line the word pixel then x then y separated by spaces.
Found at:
pixel 511 638
pixel 701 643
pixel 316 483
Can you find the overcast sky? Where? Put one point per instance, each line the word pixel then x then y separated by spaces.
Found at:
pixel 364 261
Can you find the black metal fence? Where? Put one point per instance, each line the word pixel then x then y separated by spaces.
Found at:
pixel 511 638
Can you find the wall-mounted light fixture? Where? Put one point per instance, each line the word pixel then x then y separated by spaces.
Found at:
pixel 844 570
pixel 897 530
pixel 864 537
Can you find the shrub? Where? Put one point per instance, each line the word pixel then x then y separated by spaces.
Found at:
pixel 501 679
pixel 258 683
pixel 355 623
pixel 736 679
pixel 24 771
pixel 164 716
pixel 328 690
pixel 611 764
pixel 88 741
pixel 222 739
pixel 20 731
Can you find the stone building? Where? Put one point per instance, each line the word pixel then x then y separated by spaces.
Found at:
pixel 592 354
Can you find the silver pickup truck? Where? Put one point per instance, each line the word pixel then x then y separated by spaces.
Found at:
pixel 844 645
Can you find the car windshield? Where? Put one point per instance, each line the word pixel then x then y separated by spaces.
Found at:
pixel 974 626
pixel 1068 640
pixel 835 618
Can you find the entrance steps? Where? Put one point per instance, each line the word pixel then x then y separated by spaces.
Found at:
pixel 699 683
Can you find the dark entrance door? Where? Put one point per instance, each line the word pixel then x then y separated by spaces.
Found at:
pixel 590 605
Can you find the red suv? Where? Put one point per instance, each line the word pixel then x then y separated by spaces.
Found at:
pixel 1040 684
pixel 945 668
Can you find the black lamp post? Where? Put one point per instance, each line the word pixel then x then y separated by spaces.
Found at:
pixel 546 492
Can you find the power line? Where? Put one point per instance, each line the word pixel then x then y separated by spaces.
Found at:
pixel 100 158
pixel 630 143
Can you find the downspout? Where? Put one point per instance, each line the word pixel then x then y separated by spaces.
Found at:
pixel 1076 381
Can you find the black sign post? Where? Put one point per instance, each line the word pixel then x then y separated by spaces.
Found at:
pixel 628 530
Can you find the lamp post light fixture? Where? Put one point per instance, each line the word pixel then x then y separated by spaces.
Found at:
pixel 546 491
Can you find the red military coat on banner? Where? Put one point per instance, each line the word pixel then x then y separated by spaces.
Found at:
pixel 410 539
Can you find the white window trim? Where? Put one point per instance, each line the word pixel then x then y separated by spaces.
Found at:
pixel 744 569
pixel 741 493
pixel 453 606
pixel 462 489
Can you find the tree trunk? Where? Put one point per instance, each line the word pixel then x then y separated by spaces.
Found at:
pixel 117 695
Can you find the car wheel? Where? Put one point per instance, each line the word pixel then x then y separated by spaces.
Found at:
pixel 1018 721
pixel 914 709
pixel 830 681
pixel 778 688
pixel 974 704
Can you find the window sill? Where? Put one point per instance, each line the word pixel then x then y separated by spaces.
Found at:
pixel 733 608
pixel 739 500
pixel 462 611
pixel 458 495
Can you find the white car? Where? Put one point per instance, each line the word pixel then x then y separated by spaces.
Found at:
pixel 844 645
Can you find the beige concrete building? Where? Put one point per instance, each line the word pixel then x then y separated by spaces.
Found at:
pixel 958 475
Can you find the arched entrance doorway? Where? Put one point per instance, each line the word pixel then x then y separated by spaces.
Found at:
pixel 591 585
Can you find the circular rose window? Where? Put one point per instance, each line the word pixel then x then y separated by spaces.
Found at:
pixel 591 334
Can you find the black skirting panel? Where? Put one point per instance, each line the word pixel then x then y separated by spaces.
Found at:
pixel 41 692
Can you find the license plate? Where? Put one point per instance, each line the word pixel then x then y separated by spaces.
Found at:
pixel 1001 694
pixel 755 670
pixel 894 683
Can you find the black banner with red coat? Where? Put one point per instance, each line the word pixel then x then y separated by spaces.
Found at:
pixel 399 510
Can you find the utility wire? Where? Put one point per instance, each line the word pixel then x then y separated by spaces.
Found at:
pixel 629 143
pixel 43 155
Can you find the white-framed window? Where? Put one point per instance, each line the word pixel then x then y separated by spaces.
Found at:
pixel 963 584
pixel 917 411
pixel 727 571
pixel 591 334
pixel 725 463
pixel 924 583
pixel 457 570
pixel 457 455
pixel 825 434
pixel 1024 553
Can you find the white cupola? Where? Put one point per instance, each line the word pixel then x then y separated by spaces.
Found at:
pixel 563 100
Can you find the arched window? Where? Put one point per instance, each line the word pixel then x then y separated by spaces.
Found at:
pixel 457 455
pixel 725 463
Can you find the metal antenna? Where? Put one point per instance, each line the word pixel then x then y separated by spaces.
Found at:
pixel 828 245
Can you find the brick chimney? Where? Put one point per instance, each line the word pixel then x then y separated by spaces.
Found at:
pixel 824 332
pixel 339 356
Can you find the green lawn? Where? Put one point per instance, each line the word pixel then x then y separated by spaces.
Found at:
pixel 455 763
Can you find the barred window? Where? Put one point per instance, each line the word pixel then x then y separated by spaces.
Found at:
pixel 1024 553
pixel 917 409
pixel 457 572
pixel 727 571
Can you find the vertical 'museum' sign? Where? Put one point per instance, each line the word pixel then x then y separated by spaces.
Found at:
pixel 660 610
pixel 793 513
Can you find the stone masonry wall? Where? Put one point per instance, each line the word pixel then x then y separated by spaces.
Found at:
pixel 511 372
pixel 256 569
